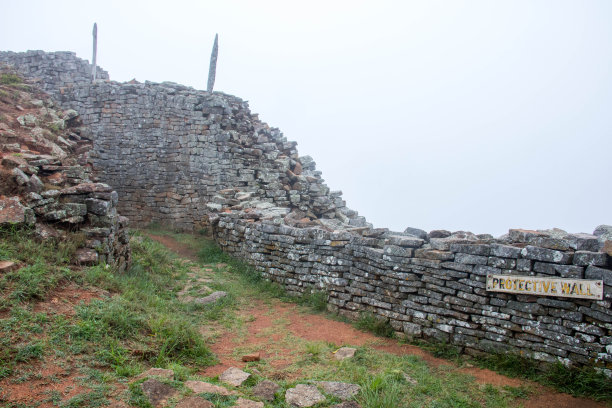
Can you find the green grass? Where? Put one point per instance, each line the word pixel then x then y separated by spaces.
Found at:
pixel 583 381
pixel 369 322
pixel 10 79
pixel 139 324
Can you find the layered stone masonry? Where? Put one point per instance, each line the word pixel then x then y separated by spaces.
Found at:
pixel 168 149
pixel 189 158
pixel 435 287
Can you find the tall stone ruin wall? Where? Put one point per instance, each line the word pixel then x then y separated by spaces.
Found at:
pixel 188 158
pixel 168 149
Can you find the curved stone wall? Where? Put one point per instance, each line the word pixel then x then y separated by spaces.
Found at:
pixel 188 158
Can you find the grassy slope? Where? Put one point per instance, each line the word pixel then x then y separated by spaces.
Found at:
pixel 138 322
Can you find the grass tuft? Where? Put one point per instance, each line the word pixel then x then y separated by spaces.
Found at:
pixel 10 79
pixel 369 322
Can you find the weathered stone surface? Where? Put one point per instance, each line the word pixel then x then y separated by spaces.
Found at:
pixel 194 402
pixel 415 232
pixel 245 403
pixel 213 297
pixel 545 255
pixel 157 392
pixel 86 256
pixel 344 353
pixel 303 396
pixel 585 258
pixel 200 386
pixel 12 212
pixel 266 390
pixel 341 390
pixel 593 272
pixel 234 376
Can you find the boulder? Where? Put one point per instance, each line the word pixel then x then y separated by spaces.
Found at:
pixel 234 376
pixel 157 392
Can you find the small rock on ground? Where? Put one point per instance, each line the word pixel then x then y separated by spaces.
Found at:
pixel 344 352
pixel 266 390
pixel 409 379
pixel 213 297
pixel 201 386
pixel 251 357
pixel 341 390
pixel 157 392
pixel 194 402
pixel 245 403
pixel 303 396
pixel 234 376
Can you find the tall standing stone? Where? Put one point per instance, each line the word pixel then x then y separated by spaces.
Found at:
pixel 95 50
pixel 213 64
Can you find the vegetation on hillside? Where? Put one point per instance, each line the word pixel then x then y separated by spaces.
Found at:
pixel 124 323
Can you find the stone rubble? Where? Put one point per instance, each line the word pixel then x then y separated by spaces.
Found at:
pixel 45 174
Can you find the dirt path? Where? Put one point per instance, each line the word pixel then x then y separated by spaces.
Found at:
pixel 275 328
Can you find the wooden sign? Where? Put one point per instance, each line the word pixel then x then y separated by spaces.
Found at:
pixel 539 286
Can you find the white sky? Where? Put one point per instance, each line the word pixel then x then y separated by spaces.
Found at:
pixel 461 115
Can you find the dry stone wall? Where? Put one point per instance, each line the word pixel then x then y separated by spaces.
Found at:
pixel 188 158
pixel 168 149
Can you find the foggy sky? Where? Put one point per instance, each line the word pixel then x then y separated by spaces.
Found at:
pixel 461 115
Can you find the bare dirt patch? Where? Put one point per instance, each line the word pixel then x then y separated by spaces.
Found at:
pixel 41 382
pixel 175 246
pixel 62 300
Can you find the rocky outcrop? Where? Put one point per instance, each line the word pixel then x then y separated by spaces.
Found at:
pixel 45 172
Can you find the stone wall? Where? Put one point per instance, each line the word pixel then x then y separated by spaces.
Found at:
pixel 168 149
pixel 435 287
pixel 188 158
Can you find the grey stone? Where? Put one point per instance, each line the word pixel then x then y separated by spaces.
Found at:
pixel 594 272
pixel 303 396
pixel 545 255
pixel 213 297
pixel 344 352
pixel 418 233
pixel 341 390
pixel 234 376
pixel 586 258
pixel 157 392
pixel 266 390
